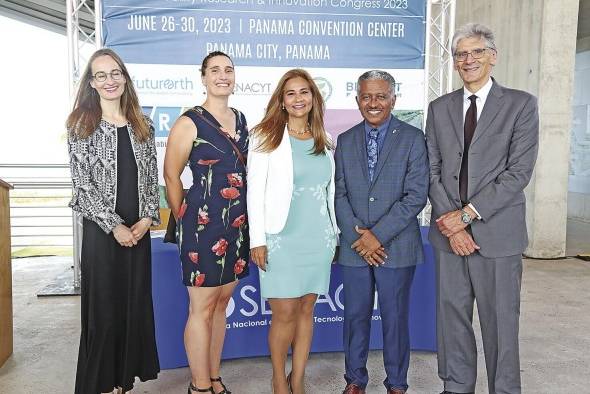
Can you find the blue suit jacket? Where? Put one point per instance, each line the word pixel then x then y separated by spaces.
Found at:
pixel 388 205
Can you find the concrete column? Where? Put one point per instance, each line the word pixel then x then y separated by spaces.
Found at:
pixel 536 42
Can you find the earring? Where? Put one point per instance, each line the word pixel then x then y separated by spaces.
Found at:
pixel 283 106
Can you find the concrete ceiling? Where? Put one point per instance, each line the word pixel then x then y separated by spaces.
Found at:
pixel 48 14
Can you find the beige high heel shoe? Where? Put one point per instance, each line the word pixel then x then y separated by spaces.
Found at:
pixel 289 383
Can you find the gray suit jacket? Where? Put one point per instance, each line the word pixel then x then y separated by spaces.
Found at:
pixel 388 205
pixel 502 156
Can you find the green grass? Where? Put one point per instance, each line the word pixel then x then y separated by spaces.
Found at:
pixel 33 251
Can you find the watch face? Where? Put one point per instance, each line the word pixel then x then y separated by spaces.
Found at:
pixel 465 217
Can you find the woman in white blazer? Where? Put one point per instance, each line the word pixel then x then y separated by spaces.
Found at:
pixel 293 228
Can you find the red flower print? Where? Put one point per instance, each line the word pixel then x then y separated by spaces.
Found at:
pixel 182 210
pixel 239 266
pixel 220 247
pixel 239 220
pixel 197 279
pixel 207 162
pixel 235 179
pixel 230 193
pixel 203 217
pixel 194 256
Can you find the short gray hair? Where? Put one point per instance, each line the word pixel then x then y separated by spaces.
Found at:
pixel 376 75
pixel 473 30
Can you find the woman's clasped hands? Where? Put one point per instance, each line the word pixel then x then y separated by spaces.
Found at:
pixel 130 236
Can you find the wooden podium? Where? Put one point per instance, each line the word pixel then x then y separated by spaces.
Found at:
pixel 5 275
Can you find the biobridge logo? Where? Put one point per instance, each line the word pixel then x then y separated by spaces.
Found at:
pixel 324 86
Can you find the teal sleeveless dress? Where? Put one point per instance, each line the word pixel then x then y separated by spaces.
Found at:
pixel 300 256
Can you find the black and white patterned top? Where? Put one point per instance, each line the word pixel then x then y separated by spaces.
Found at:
pixel 93 164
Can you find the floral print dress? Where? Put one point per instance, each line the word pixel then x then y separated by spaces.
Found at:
pixel 212 225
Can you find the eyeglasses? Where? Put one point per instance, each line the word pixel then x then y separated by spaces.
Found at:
pixel 475 54
pixel 101 76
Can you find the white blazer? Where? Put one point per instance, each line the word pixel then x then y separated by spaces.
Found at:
pixel 270 186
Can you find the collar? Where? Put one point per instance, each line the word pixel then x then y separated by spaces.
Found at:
pixel 381 129
pixel 482 93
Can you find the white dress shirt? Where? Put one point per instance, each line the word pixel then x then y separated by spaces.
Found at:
pixel 480 101
pixel 482 96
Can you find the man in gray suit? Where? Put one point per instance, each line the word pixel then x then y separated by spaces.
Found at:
pixel 482 144
pixel 381 185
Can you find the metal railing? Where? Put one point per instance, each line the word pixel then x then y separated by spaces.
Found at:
pixel 39 203
pixel 39 214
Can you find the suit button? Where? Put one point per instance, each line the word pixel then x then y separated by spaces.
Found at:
pixel 455 177
pixel 460 154
pixel 371 199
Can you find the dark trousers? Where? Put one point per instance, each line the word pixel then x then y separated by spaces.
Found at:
pixel 393 288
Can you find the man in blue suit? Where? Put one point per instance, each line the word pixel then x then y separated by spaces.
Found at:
pixel 381 186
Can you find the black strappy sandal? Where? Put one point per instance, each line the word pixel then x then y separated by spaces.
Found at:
pixel 225 390
pixel 191 387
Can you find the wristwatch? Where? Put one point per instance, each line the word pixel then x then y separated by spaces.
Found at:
pixel 465 217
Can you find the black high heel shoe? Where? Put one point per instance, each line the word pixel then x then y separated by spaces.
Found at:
pixel 191 387
pixel 225 390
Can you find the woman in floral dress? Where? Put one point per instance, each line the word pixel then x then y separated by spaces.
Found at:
pixel 212 226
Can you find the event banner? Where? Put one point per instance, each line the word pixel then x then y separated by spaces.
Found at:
pixel 278 33
pixel 164 41
pixel 249 315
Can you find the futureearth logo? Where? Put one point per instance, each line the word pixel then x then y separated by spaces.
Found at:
pixel 167 84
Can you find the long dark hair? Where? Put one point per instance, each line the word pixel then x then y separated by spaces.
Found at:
pixel 86 114
pixel 271 128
